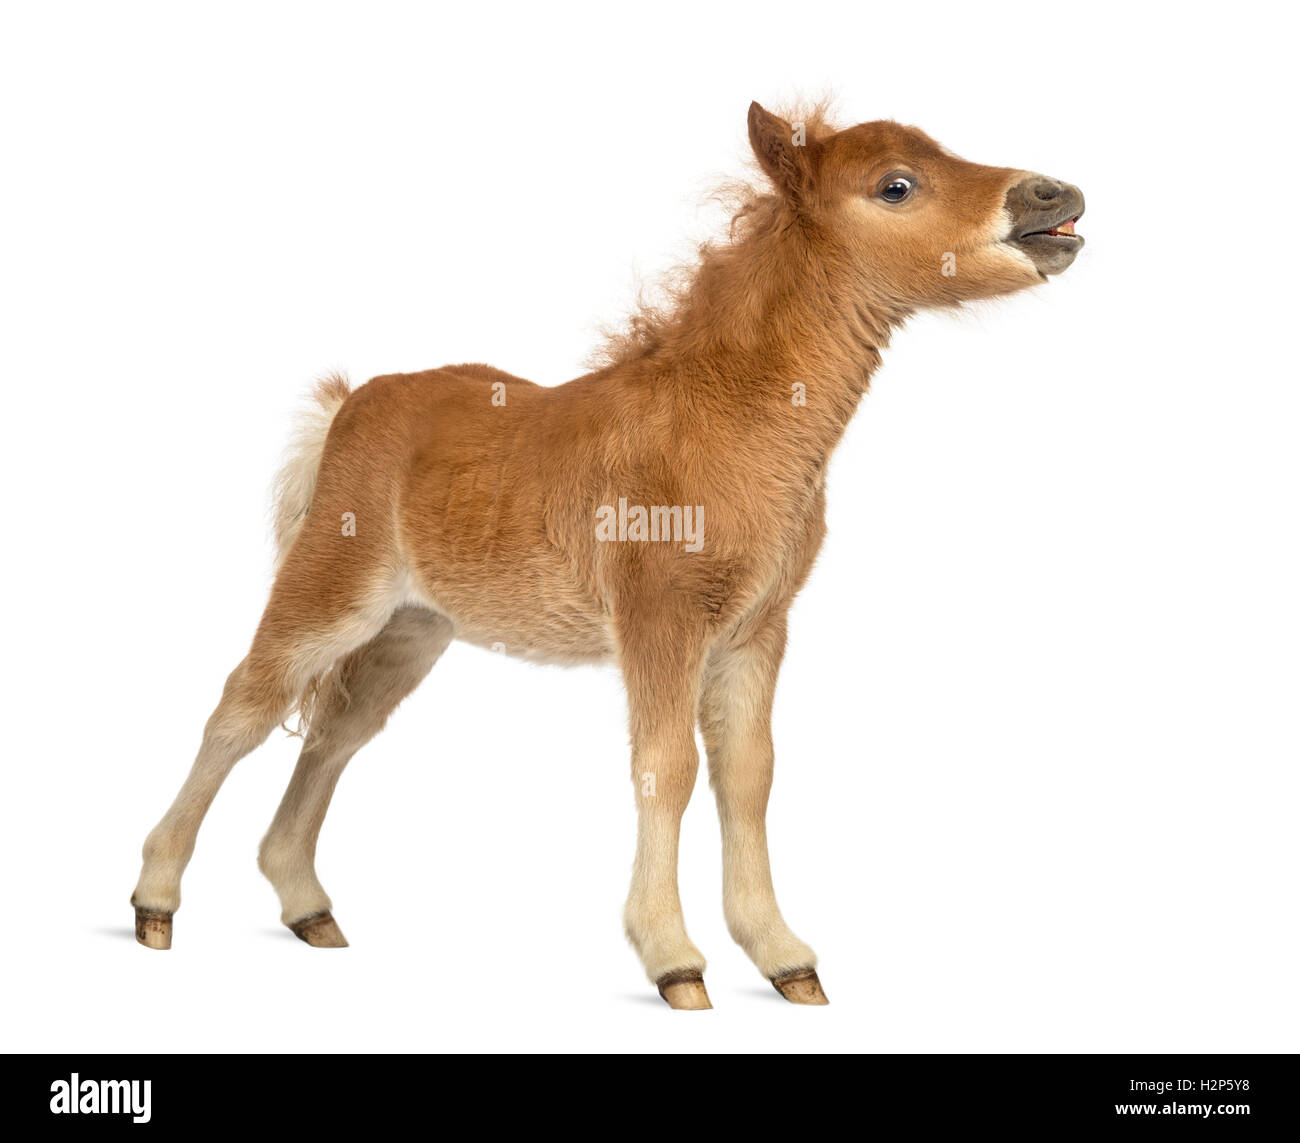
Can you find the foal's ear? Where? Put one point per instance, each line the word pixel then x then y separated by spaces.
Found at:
pixel 782 152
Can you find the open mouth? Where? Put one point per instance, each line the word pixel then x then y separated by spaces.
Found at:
pixel 1053 247
pixel 1062 230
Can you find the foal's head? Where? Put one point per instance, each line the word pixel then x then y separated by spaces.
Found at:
pixel 917 225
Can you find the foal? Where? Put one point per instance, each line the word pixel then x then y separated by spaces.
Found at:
pixel 662 511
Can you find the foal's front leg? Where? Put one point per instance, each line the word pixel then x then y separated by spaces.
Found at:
pixel 736 723
pixel 661 662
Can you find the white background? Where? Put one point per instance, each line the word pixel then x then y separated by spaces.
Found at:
pixel 1036 734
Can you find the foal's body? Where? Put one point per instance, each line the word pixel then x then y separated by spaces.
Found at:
pixel 463 503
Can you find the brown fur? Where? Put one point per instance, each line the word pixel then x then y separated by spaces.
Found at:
pixel 478 519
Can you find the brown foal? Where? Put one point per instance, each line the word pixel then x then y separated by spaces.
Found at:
pixel 662 511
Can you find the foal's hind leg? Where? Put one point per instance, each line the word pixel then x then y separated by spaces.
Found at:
pixel 303 631
pixel 735 722
pixel 352 708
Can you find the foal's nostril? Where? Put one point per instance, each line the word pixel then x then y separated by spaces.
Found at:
pixel 1037 198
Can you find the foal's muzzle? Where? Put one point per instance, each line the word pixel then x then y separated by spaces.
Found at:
pixel 1043 213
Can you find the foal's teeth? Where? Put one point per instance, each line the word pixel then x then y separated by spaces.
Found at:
pixel 153 929
pixel 685 992
pixel 801 988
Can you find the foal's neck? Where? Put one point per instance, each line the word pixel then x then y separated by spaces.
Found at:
pixel 777 341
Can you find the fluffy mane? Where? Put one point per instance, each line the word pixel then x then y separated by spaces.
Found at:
pixel 665 310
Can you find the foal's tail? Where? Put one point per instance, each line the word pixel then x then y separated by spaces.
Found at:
pixel 296 483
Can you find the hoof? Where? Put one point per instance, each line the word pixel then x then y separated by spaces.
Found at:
pixel 153 929
pixel 684 991
pixel 801 987
pixel 321 931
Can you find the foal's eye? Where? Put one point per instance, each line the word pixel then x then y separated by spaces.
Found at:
pixel 898 189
